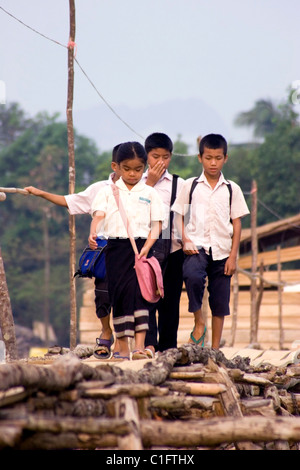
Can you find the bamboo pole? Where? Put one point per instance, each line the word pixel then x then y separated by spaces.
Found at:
pixel 235 291
pixel 279 299
pixel 253 290
pixel 72 227
pixel 6 317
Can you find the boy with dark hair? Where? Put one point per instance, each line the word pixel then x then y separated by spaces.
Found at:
pixel 167 249
pixel 211 236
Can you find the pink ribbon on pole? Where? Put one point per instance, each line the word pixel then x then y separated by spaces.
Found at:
pixel 73 46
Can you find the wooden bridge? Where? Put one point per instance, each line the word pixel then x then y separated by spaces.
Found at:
pixel 279 312
pixel 268 329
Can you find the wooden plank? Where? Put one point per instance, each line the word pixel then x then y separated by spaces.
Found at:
pixel 288 276
pixel 270 257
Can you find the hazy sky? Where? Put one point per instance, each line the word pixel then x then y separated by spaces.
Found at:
pixel 228 53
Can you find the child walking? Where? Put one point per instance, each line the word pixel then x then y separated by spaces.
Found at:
pixel 162 333
pixel 145 213
pixel 213 208
pixel 81 203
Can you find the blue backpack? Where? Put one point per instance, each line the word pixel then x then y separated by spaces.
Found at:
pixel 92 262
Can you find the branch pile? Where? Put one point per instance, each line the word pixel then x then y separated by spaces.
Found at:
pixel 189 397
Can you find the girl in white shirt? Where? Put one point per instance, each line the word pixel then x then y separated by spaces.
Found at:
pixel 145 211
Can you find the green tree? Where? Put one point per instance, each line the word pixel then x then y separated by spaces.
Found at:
pixel 262 117
pixel 13 122
pixel 275 163
pixel 34 233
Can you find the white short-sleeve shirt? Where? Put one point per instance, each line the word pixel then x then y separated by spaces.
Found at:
pixel 209 223
pixel 142 204
pixel 81 203
pixel 164 189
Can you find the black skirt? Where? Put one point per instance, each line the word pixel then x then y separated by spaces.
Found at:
pixel 130 309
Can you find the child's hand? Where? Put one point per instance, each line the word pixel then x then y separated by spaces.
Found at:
pixel 33 190
pixel 230 266
pixel 190 248
pixel 144 252
pixel 155 173
pixel 92 241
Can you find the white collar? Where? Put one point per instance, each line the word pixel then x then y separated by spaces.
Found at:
pixel 137 187
pixel 202 178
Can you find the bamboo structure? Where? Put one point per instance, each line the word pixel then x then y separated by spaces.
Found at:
pixel 6 317
pixel 253 327
pixel 72 226
pixel 189 397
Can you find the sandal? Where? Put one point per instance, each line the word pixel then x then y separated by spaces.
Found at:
pixel 139 354
pixel 149 353
pixel 117 356
pixel 200 340
pixel 102 350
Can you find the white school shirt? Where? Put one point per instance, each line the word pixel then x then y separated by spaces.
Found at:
pixel 81 203
pixel 142 205
pixel 209 223
pixel 164 189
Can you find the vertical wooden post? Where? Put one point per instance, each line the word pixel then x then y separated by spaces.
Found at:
pixel 235 291
pixel 6 317
pixel 72 228
pixel 279 299
pixel 253 289
pixel 259 296
pixel 46 215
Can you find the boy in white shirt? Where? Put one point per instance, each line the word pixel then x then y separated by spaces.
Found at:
pixel 145 213
pixel 210 222
pixel 162 333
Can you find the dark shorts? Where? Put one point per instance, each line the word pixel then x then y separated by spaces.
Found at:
pixel 196 268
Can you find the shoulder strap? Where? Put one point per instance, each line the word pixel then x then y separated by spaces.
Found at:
pixel 194 184
pixel 170 224
pixel 230 193
pixel 174 189
pixel 123 214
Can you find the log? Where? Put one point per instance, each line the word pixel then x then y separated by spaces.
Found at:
pixel 194 388
pixel 69 433
pixel 290 402
pixel 88 434
pixel 212 432
pixel 258 407
pixel 11 396
pixel 181 403
pixel 126 408
pixel 230 399
pixel 132 390
pixel 63 373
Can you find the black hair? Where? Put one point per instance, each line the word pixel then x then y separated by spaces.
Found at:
pixel 130 150
pixel 158 140
pixel 114 153
pixel 213 141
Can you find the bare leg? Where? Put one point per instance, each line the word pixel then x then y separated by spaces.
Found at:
pixel 106 329
pixel 140 340
pixel 198 326
pixel 217 328
pixel 123 346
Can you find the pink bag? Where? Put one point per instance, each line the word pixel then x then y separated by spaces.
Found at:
pixel 148 270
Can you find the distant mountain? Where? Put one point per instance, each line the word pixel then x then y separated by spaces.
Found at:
pixel 189 118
